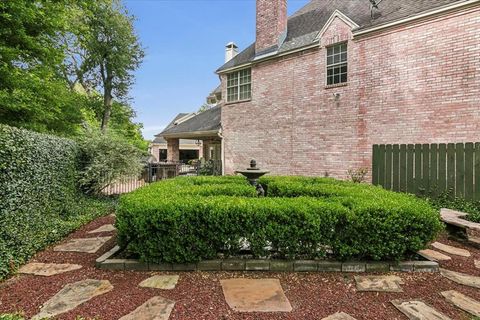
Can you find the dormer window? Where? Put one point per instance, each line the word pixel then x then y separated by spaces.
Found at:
pixel 337 65
pixel 239 85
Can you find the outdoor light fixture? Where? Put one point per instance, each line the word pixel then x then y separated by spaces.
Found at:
pixel 198 143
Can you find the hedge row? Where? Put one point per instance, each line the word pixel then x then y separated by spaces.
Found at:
pixel 190 219
pixel 39 202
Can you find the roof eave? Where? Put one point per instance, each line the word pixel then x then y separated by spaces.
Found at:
pixel 421 15
pixel 269 57
pixel 193 134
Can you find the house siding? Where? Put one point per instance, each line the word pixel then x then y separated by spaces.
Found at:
pixel 413 84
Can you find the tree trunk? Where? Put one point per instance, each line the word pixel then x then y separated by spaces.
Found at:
pixel 107 107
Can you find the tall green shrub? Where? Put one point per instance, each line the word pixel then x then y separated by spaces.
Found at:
pixel 39 202
pixel 106 158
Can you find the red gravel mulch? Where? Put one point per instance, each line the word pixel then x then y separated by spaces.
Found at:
pixel 199 295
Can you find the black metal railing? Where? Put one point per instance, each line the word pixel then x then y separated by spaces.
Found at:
pixel 153 172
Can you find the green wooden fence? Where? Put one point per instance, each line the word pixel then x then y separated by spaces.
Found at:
pixel 428 168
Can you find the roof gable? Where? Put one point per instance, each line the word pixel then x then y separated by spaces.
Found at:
pixel 337 14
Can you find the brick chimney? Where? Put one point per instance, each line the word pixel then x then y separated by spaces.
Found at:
pixel 271 23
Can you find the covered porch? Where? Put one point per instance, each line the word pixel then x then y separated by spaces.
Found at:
pixel 205 129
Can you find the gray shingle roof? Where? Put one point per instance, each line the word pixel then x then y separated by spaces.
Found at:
pixel 305 24
pixel 161 140
pixel 208 120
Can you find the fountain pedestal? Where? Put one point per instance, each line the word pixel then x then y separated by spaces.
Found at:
pixel 253 174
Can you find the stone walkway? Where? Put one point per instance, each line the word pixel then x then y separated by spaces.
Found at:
pixel 62 282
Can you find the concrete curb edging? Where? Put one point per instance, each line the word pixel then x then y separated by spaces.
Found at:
pixel 104 262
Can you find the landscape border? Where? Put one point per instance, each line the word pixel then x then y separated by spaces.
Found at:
pixel 109 262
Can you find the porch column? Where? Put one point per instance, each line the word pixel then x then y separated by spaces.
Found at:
pixel 206 150
pixel 200 150
pixel 173 150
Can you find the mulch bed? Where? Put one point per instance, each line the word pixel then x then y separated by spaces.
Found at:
pixel 199 295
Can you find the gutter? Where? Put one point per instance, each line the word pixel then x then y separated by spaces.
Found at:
pixel 193 134
pixel 269 57
pixel 416 17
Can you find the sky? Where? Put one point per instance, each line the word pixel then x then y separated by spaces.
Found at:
pixel 184 41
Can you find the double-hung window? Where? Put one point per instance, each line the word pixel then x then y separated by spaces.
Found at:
pixel 337 65
pixel 239 85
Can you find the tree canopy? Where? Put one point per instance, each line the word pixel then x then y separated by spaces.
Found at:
pixel 68 64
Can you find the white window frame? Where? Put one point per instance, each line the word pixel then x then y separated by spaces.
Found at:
pixel 244 75
pixel 337 64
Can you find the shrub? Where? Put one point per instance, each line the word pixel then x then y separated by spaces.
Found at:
pixel 39 202
pixel 190 219
pixel 446 200
pixel 105 159
pixel 357 175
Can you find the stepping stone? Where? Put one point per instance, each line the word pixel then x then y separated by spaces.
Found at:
pixel 71 296
pixel 418 310
pixel 160 282
pixel 88 245
pixel 104 228
pixel 477 264
pixel 255 295
pixel 461 278
pixel 463 302
pixel 451 250
pixel 379 283
pixel 47 269
pixel 433 255
pixel 339 316
pixel 157 308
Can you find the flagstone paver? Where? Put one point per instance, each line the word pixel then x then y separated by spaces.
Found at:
pixel 434 255
pixel 47 269
pixel 104 228
pixel 160 282
pixel 157 308
pixel 416 310
pixel 379 283
pixel 72 295
pixel 87 245
pixel 463 302
pixel 461 278
pixel 452 250
pixel 339 316
pixel 255 295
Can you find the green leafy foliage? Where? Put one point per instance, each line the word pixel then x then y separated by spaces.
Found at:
pixel 106 158
pixel 11 316
pixel 446 200
pixel 50 78
pixel 39 201
pixel 190 219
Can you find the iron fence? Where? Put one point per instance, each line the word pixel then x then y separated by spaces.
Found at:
pixel 153 172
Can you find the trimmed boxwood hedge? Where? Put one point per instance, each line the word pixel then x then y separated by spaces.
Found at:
pixel 39 198
pixel 190 219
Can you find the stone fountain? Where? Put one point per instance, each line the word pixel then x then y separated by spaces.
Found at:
pixel 253 174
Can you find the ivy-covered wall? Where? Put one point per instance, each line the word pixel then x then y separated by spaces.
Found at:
pixel 37 188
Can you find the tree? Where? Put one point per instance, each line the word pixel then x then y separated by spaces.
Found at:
pixel 32 92
pixel 112 53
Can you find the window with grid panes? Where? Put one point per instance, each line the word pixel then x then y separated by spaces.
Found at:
pixel 337 65
pixel 239 85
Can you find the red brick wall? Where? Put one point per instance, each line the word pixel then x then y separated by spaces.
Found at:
pixel 271 22
pixel 415 84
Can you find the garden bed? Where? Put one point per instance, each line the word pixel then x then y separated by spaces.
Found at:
pixel 190 220
pixel 115 260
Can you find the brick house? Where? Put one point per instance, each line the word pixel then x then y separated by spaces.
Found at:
pixel 317 90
